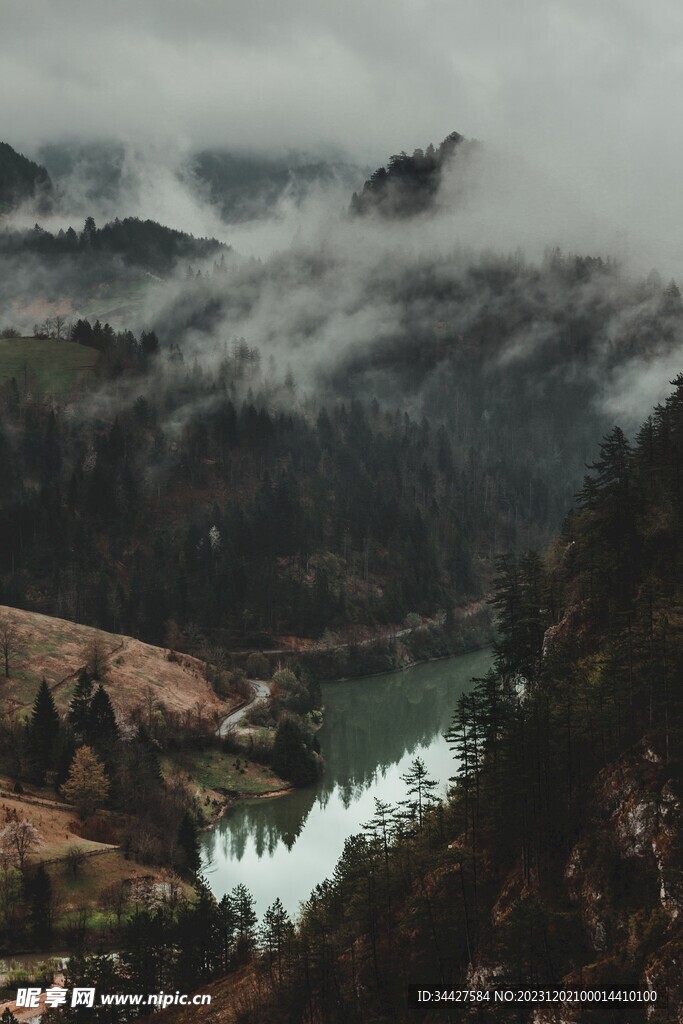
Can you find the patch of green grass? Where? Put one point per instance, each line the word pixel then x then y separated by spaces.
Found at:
pixel 213 769
pixel 80 887
pixel 52 366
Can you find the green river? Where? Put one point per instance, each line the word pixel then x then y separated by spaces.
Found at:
pixel 373 729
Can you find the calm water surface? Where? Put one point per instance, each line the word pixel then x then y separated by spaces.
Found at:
pixel 373 729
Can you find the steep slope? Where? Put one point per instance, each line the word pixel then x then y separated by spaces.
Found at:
pixel 135 673
pixel 22 179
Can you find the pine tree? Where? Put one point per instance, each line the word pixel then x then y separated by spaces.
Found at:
pixel 101 728
pixel 197 938
pixel 275 936
pixel 188 843
pixel 79 707
pixel 382 828
pixel 245 921
pixel 226 926
pixel 421 789
pixel 43 732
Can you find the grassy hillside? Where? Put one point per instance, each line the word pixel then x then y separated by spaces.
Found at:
pixel 133 672
pixel 50 365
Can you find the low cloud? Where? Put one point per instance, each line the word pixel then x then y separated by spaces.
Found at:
pixel 584 95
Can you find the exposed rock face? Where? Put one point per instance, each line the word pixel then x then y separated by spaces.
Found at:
pixel 626 875
pixel 624 878
pixel 636 835
pixel 663 974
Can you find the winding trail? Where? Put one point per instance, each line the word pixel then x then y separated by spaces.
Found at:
pixel 260 691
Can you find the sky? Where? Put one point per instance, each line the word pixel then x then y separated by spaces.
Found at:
pixel 369 77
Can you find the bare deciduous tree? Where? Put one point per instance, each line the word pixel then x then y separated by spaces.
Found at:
pixel 96 657
pixel 59 326
pixel 75 859
pixel 115 899
pixel 18 839
pixel 9 642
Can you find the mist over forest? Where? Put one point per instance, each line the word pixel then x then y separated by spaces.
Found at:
pixel 387 302
pixel 411 303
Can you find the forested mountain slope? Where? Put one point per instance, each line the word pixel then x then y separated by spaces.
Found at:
pixel 136 242
pixel 21 179
pixel 246 186
pixel 213 499
pixel 500 350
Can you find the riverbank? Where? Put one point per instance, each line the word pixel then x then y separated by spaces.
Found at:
pixel 468 633
pixel 470 629
pixel 414 664
pixel 372 730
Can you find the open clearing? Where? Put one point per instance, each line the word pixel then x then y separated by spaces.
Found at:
pixel 217 773
pixel 52 366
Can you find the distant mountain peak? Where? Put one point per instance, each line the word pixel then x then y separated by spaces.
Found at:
pixel 408 184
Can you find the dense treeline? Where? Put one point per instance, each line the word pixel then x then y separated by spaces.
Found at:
pixel 500 350
pixel 173 945
pixel 177 494
pixel 142 243
pixel 505 353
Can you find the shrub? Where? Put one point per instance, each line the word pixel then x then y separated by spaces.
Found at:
pixel 258 666
pixel 261 714
pixel 224 684
pixel 285 679
pixel 293 754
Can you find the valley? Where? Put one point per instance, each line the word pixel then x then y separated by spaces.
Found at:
pixel 339 624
